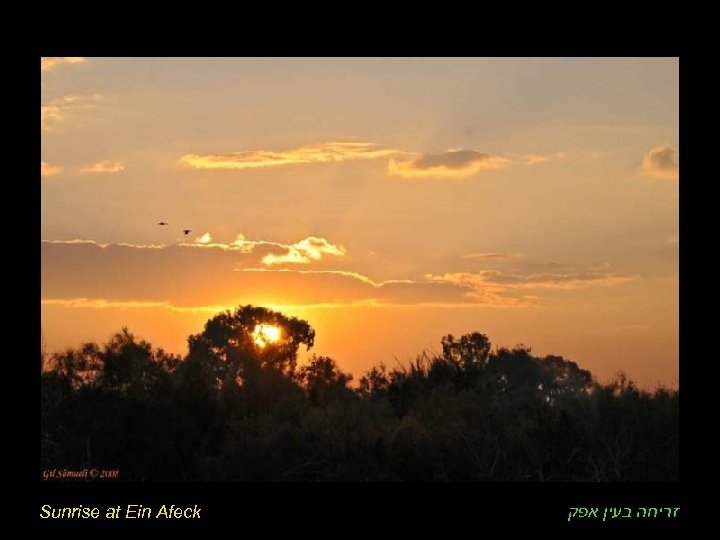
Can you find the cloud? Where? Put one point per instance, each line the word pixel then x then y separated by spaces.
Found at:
pixel 103 166
pixel 492 256
pixel 269 253
pixel 459 164
pixel 102 303
pixel 497 280
pixel 49 170
pixel 193 275
pixel 49 63
pixel 79 241
pixel 255 159
pixel 304 251
pixel 204 239
pixel 534 159
pixel 347 273
pixel 184 277
pixel 62 110
pixel 75 241
pixel 661 162
pixel 453 163
pixel 348 287
pixel 239 244
pixel 354 287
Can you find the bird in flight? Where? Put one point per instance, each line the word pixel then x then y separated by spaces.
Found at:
pixel 186 231
pixel 163 223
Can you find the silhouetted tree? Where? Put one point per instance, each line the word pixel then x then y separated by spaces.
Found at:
pixel 238 408
pixel 229 338
pixel 468 350
pixel 323 380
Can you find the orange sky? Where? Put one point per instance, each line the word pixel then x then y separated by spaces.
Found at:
pixel 388 201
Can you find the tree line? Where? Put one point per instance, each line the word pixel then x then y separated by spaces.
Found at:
pixel 234 409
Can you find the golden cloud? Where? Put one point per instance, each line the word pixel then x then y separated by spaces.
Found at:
pixel 322 153
pixel 79 241
pixel 661 162
pixel 48 63
pixel 87 270
pixel 345 273
pixel 204 239
pixel 450 164
pixel 304 251
pixel 459 164
pixel 239 244
pixel 534 159
pixel 493 256
pixel 103 166
pixel 84 273
pixel 498 280
pixel 49 170
pixel 51 116
pixel 60 110
pixel 102 303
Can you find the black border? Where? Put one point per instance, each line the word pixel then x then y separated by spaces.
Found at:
pixel 367 508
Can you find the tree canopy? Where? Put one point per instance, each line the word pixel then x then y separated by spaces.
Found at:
pixel 238 407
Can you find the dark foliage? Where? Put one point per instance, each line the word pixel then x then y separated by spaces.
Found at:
pixel 234 410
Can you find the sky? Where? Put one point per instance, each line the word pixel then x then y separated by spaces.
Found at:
pixel 387 201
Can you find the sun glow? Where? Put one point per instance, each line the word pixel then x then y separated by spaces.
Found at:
pixel 264 334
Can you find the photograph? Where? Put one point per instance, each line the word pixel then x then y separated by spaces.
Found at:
pixel 359 269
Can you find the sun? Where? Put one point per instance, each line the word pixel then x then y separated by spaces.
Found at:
pixel 264 334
